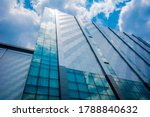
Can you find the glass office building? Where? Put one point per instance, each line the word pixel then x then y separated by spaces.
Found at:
pixel 79 60
pixel 14 67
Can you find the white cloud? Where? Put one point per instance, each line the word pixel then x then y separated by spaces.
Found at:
pixel 22 24
pixel 18 25
pixel 105 6
pixel 78 7
pixel 135 18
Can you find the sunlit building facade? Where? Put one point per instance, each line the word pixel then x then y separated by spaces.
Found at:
pixel 79 60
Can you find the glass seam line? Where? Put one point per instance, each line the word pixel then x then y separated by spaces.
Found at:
pixel 139 76
pixel 141 40
pixel 57 53
pixel 130 47
pixel 136 42
pixel 107 78
pixel 3 52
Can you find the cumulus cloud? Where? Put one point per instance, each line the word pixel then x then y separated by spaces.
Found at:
pixel 18 26
pixel 135 18
pixel 78 7
pixel 105 6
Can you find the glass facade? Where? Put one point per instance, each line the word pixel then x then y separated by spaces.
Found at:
pixel 76 60
pixel 43 82
pixel 80 60
pixel 14 66
pixel 85 85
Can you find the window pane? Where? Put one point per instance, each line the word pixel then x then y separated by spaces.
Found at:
pixel 54 74
pixel 44 72
pixel 42 90
pixel 54 67
pixel 43 82
pixel 105 97
pixel 98 82
pixel 71 76
pixel 42 97
pixel 54 92
pixel 54 83
pixel 92 89
pixel 89 80
pixel 84 95
pixel 28 97
pixel 53 98
pixel 36 64
pixel 72 86
pixel 32 80
pixel 30 89
pixel 34 71
pixel 112 97
pixel 101 90
pixel 82 87
pixel 45 66
pixel 94 96
pixel 73 94
pixel 110 92
pixel 80 78
pixel 105 83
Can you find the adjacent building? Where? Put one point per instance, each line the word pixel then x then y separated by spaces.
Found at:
pixel 75 59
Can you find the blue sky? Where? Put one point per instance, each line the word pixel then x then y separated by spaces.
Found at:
pixel 20 19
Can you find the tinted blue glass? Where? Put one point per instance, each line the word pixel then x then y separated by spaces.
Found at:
pixel 105 97
pixel 82 87
pixel 36 64
pixel 45 62
pixel 54 91
pixel 53 98
pixel 80 78
pixel 28 97
pixel 73 94
pixel 71 76
pixel 43 82
pixel 30 89
pixel 112 97
pixel 98 82
pixel 89 80
pixel 42 97
pixel 32 80
pixel 109 91
pixel 105 83
pixel 94 96
pixel 84 95
pixel 54 67
pixel 54 74
pixel 36 59
pixel 101 90
pixel 72 86
pixel 92 89
pixel 45 66
pixel 45 57
pixel 44 72
pixel 34 71
pixel 42 90
pixel 54 83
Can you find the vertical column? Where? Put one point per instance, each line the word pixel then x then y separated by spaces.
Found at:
pixel 62 70
pixel 43 79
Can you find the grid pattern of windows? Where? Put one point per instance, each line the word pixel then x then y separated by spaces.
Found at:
pixel 132 89
pixel 83 85
pixel 42 82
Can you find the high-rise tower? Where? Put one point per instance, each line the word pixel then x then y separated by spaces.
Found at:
pixel 77 59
